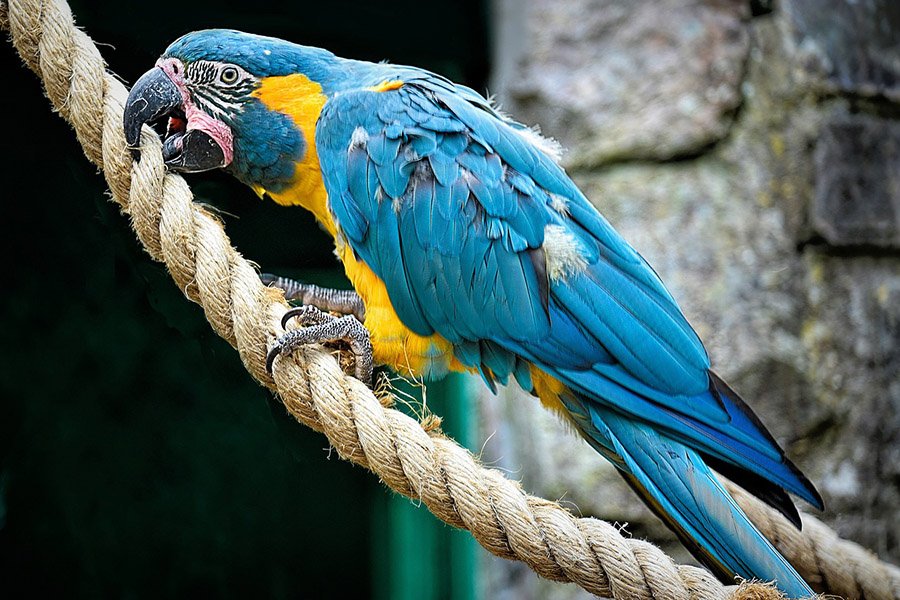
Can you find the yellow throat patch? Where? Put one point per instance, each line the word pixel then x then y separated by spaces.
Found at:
pixel 300 98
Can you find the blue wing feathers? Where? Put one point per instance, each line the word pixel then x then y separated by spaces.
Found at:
pixel 501 362
pixel 353 223
pixel 382 150
pixel 362 182
pixel 424 144
pixel 449 203
pixel 522 373
pixel 445 169
pixel 453 144
pixel 723 439
pixel 424 211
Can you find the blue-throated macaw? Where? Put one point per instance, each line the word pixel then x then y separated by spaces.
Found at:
pixel 470 249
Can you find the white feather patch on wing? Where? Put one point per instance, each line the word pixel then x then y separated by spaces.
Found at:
pixel 562 253
pixel 359 139
pixel 547 145
pixel 560 204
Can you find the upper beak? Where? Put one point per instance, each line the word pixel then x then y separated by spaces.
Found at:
pixel 154 96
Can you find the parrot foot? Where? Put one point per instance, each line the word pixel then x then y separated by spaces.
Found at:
pixel 319 327
pixel 345 302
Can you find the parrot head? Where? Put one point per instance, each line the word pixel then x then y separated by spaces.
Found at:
pixel 208 86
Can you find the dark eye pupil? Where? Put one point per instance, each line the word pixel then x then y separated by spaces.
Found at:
pixel 229 75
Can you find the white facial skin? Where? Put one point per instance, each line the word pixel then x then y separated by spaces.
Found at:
pixel 197 118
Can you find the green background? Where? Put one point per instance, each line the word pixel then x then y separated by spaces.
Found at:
pixel 137 458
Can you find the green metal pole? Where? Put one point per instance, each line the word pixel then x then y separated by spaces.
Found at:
pixel 416 556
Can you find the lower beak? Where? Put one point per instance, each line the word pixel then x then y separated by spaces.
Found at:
pixel 153 97
pixel 192 152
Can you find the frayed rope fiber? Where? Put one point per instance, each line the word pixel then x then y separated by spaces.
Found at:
pixel 425 466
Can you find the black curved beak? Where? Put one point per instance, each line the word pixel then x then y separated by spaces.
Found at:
pixel 186 150
pixel 152 97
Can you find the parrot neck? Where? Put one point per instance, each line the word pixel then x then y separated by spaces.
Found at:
pixel 275 151
pixel 292 176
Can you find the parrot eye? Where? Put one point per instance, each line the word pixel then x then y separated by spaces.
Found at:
pixel 228 75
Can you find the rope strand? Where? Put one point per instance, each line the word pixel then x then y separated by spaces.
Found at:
pixel 424 466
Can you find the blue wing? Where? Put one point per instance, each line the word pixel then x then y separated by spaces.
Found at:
pixel 444 199
pixel 480 236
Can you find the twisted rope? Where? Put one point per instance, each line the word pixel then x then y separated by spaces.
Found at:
pixel 426 467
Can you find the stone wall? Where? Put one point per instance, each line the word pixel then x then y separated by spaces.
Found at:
pixel 751 153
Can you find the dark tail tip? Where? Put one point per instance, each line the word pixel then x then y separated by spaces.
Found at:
pixel 755 484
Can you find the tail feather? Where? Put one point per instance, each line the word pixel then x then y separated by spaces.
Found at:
pixel 737 437
pixel 760 487
pixel 753 482
pixel 675 481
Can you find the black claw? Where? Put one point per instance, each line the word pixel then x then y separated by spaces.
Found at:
pixel 290 314
pixel 271 356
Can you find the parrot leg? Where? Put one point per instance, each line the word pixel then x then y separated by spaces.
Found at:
pixel 345 302
pixel 319 327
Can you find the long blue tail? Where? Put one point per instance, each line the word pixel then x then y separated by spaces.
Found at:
pixel 675 481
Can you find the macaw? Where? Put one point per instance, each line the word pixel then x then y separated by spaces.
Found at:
pixel 470 249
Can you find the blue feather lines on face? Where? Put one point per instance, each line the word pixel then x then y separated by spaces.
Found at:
pixel 220 89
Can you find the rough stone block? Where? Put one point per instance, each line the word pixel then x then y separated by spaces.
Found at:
pixel 857 196
pixel 853 45
pixel 622 79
